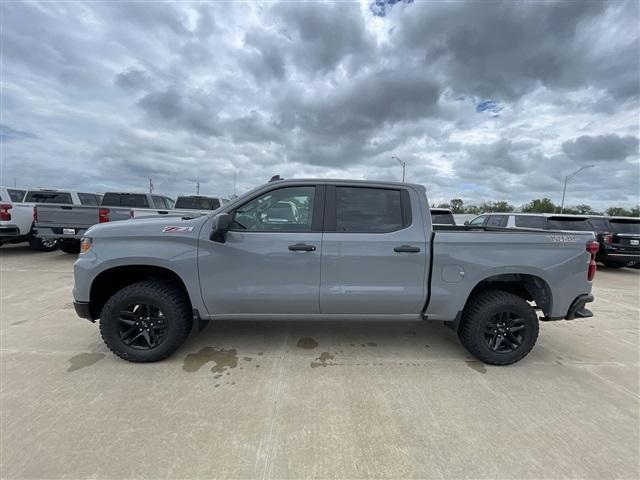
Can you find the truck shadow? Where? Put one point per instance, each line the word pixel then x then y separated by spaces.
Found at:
pixel 326 340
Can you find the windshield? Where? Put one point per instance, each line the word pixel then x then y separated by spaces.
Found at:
pixel 625 226
pixel 197 203
pixel 48 197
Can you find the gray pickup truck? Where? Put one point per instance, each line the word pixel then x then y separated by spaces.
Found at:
pixel 349 250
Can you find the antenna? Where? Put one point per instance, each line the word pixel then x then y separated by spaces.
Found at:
pixel 150 186
pixel 198 188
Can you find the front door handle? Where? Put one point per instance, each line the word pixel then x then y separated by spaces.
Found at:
pixel 302 247
pixel 406 249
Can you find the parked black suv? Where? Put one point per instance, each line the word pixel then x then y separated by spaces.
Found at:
pixel 619 242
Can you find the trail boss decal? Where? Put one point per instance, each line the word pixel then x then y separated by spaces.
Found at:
pixel 563 238
pixel 173 229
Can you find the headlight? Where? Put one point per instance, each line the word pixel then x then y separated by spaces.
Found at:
pixel 85 244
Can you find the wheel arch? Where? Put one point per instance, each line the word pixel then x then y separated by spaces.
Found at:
pixel 109 281
pixel 527 286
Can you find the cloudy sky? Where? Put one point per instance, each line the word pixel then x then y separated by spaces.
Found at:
pixel 483 100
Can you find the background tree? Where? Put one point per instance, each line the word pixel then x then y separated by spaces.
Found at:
pixel 457 205
pixel 539 205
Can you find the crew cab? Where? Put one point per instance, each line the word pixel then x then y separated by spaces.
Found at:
pixel 365 250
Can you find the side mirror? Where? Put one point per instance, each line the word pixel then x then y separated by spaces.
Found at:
pixel 220 227
pixel 466 222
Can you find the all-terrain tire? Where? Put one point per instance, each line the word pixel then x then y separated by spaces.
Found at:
pixel 43 245
pixel 70 246
pixel 168 298
pixel 482 309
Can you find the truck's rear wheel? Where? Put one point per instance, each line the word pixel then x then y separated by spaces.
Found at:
pixel 146 321
pixel 70 246
pixel 498 327
pixel 43 244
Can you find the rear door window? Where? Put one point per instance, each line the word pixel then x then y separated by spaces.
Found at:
pixel 529 221
pixel 134 200
pixel 49 197
pixel 569 223
pixel 15 196
pixel 159 202
pixel 88 199
pixel 497 220
pixel 368 210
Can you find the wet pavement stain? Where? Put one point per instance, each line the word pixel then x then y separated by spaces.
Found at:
pixel 428 346
pixel 20 322
pixel 322 360
pixel 307 343
pixel 83 360
pixel 247 359
pixel 477 366
pixel 222 357
pixel 371 344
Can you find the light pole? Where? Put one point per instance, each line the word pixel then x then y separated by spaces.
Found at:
pixel 566 179
pixel 404 164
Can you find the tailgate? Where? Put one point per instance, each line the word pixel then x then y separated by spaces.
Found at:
pixel 71 216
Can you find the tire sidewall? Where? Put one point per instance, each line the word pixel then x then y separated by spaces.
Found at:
pixel 478 329
pixel 120 301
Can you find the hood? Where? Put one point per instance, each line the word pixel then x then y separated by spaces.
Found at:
pixel 148 226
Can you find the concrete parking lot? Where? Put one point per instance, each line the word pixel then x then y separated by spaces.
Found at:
pixel 312 399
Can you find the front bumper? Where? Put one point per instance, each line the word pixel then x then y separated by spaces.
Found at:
pixel 83 310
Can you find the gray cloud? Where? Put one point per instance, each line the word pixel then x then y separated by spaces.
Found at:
pixel 601 148
pixel 484 100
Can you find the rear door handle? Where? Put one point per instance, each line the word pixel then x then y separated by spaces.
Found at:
pixel 406 249
pixel 302 247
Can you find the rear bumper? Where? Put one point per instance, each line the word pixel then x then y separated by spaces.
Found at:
pixel 577 308
pixel 57 232
pixel 9 231
pixel 83 310
pixel 618 254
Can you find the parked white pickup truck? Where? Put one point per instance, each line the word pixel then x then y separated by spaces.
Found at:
pixel 17 213
pixel 69 223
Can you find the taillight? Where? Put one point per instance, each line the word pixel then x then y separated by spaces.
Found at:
pixel 35 214
pixel 5 215
pixel 103 215
pixel 607 238
pixel 131 213
pixel 592 248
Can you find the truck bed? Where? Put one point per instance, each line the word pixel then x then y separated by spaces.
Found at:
pixel 463 256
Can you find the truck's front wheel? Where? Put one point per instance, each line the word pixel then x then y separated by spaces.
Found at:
pixel 146 321
pixel 498 327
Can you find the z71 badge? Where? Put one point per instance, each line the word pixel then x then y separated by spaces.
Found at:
pixel 175 229
pixel 563 238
